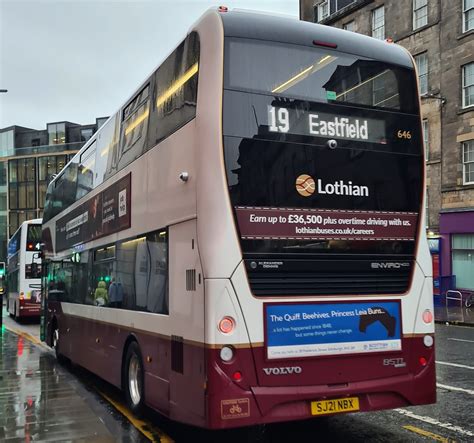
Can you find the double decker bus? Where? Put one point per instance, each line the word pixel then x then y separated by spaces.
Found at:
pixel 24 271
pixel 243 242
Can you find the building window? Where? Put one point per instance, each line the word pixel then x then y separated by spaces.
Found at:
pixel 468 85
pixel 463 260
pixel 100 121
pixel 48 167
pixel 426 138
pixel 56 133
pixel 323 10
pixel 349 26
pixel 86 134
pixel 468 162
pixel 6 143
pixel 15 219
pixel 468 15
pixel 420 13
pixel 22 177
pixel 422 65
pixel 378 23
pixel 3 173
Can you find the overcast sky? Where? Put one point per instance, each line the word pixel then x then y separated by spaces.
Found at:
pixel 76 60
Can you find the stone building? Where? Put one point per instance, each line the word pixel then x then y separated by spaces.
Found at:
pixel 440 36
pixel 29 159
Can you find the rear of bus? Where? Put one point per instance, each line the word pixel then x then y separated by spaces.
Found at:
pixel 324 163
pixel 24 265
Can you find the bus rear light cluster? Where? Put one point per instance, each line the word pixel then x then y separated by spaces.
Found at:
pixel 226 325
pixel 227 354
pixel 423 361
pixel 237 376
pixel 427 316
pixel 22 296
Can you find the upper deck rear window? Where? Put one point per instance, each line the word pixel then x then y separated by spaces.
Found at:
pixel 316 74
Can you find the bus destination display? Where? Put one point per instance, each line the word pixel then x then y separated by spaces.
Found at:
pixel 321 124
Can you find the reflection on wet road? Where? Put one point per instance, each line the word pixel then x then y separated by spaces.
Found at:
pixel 40 400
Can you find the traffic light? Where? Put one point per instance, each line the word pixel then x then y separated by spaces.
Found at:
pixel 2 270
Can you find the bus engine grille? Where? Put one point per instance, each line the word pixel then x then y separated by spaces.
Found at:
pixel 346 277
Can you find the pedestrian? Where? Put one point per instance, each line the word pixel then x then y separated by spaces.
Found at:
pixel 100 294
pixel 115 294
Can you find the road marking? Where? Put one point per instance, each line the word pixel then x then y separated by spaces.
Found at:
pixel 454 388
pixel 141 425
pixel 435 422
pixel 461 339
pixel 426 433
pixel 456 365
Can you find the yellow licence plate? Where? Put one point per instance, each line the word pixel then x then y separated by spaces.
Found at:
pixel 334 406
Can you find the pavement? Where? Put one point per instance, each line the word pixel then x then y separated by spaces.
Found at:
pixel 42 401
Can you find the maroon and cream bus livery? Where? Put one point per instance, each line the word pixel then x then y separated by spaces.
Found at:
pixel 24 271
pixel 243 242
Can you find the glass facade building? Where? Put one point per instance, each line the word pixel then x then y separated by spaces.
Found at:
pixel 29 160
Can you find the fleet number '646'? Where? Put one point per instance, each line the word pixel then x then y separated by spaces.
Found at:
pixel 404 134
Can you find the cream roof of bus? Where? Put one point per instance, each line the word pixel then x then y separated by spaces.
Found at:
pixel 287 30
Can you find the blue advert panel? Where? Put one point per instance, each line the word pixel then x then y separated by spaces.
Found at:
pixel 309 330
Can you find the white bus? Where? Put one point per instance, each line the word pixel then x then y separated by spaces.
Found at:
pixel 24 271
pixel 243 241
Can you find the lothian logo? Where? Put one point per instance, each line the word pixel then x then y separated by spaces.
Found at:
pixel 306 186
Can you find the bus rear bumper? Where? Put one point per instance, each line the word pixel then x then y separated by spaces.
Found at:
pixel 27 310
pixel 261 405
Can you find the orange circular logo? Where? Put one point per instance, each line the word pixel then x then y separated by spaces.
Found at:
pixel 305 185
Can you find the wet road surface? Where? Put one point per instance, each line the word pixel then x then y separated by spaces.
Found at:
pixel 41 400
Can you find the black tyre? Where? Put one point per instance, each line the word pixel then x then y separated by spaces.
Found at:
pixel 134 379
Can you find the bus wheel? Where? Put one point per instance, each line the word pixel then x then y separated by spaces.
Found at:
pixel 134 391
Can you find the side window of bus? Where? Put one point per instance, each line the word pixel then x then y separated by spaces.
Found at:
pixel 67 280
pixel 175 86
pixel 134 128
pixel 13 281
pixel 14 243
pixel 57 282
pixel 85 171
pixel 141 273
pixel 64 192
pixel 107 150
pixel 48 205
pixel 101 276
